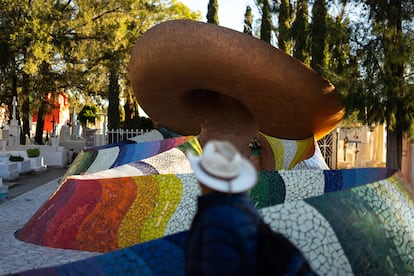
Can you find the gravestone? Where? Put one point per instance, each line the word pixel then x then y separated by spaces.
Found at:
pixel 14 129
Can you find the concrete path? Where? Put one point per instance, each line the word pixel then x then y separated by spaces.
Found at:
pixel 27 182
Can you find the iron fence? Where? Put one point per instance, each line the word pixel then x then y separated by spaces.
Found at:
pixel 118 135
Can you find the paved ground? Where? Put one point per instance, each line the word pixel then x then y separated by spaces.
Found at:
pixel 28 182
pixel 28 194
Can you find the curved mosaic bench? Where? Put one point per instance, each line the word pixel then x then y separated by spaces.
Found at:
pixel 110 213
pixel 366 230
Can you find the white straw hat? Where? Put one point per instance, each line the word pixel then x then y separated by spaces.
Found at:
pixel 223 169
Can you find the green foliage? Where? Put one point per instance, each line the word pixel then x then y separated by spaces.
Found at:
pixel 16 158
pixel 212 12
pixel 145 123
pixel 319 44
pixel 248 20
pixel 34 152
pixel 300 33
pixel 368 56
pixel 266 24
pixel 132 118
pixel 46 46
pixel 114 116
pixel 140 123
pixel 383 45
pixel 284 26
pixel 88 114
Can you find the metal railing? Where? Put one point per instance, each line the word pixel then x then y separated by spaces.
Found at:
pixel 118 135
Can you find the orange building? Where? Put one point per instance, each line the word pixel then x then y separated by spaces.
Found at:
pixel 59 114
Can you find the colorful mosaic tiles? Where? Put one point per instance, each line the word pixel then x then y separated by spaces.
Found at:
pixel 110 213
pixel 136 199
pixel 106 157
pixel 287 155
pixel 365 230
pixel 169 162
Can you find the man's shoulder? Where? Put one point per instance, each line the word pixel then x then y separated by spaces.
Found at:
pixel 227 213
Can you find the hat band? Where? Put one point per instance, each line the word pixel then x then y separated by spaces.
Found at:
pixel 215 176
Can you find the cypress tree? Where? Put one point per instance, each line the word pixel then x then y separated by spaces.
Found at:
pixel 300 32
pixel 390 92
pixel 266 24
pixel 319 44
pixel 284 26
pixel 114 116
pixel 212 12
pixel 248 18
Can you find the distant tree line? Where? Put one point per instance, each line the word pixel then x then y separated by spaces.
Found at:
pixel 82 47
pixel 79 46
pixel 366 48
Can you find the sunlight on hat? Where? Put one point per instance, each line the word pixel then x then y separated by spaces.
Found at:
pixel 222 168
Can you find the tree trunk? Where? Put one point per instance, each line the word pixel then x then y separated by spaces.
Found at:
pixel 113 97
pixel 40 123
pixel 25 120
pixel 25 110
pixel 394 149
pixel 394 70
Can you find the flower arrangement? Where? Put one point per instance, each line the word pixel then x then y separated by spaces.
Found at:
pixel 255 146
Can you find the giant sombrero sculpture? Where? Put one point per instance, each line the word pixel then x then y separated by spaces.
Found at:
pixel 182 78
pixel 204 69
pixel 202 79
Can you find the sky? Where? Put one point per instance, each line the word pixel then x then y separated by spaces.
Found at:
pixel 231 12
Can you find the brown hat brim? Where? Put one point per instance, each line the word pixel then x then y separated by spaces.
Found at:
pixel 176 58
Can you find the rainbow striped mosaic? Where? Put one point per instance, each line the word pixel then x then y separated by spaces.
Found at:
pixel 135 200
pixel 111 213
pixel 365 230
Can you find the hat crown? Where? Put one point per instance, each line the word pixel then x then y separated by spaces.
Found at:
pixel 221 159
pixel 222 168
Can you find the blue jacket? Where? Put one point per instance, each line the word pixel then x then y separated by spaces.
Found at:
pixel 223 238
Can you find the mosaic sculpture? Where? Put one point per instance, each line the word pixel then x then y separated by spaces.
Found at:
pixel 100 211
pixel 138 206
pixel 365 230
